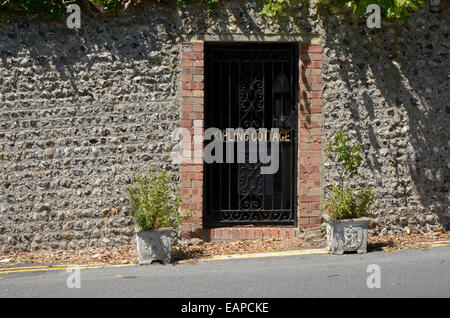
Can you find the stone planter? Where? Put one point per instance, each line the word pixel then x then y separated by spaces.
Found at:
pixel 154 245
pixel 347 235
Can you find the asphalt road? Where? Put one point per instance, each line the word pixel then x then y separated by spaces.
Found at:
pixel 407 273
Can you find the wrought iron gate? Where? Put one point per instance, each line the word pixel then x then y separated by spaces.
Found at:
pixel 251 86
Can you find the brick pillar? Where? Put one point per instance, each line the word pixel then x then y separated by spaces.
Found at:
pixel 192 124
pixel 310 136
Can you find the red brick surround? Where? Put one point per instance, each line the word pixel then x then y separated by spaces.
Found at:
pixel 244 233
pixel 310 136
pixel 192 120
pixel 309 148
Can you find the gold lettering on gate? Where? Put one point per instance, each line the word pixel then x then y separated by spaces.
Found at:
pixel 261 136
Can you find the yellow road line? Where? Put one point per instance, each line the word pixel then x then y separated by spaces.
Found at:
pixel 273 254
pixel 36 268
pixel 32 270
pixel 262 255
pixel 43 266
pixel 62 267
pixel 39 270
pixel 440 244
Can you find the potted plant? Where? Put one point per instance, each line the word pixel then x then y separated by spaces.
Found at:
pixel 154 206
pixel 347 211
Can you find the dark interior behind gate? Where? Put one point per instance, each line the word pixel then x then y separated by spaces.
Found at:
pixel 251 86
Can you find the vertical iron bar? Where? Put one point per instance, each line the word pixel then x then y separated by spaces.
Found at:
pixel 281 148
pixel 239 123
pixel 205 174
pixel 228 126
pixel 263 123
pixel 273 117
pixel 210 168
pixel 295 138
pixel 220 166
pixel 290 139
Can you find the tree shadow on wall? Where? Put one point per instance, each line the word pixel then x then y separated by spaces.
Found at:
pixel 395 93
pixel 85 88
pixel 125 38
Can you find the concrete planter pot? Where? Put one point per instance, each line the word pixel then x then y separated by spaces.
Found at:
pixel 347 235
pixel 154 245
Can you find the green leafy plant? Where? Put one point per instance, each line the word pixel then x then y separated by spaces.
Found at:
pixel 343 202
pixel 348 204
pixel 57 8
pixel 273 7
pixel 109 5
pixel 398 9
pixel 394 9
pixel 154 202
pixel 347 157
pixel 112 5
pixel 53 8
pixel 212 4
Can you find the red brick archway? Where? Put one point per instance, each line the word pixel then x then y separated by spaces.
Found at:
pixel 309 148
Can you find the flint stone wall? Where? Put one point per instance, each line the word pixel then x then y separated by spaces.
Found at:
pixel 79 110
